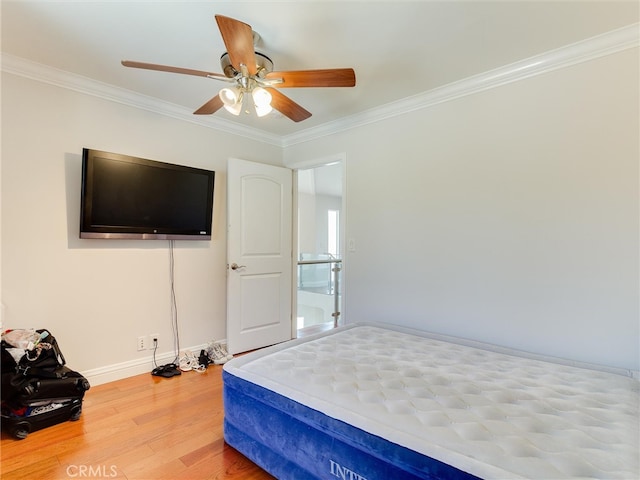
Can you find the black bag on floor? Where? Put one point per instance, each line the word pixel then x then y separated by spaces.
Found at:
pixel 65 385
pixel 30 352
pixel 38 390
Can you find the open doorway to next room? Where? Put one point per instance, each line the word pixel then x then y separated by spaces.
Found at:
pixel 319 295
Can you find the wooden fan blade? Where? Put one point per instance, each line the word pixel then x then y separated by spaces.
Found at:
pixel 210 107
pixel 335 77
pixel 287 107
pixel 167 68
pixel 238 38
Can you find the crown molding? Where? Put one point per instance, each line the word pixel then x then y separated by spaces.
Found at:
pixel 71 81
pixel 583 51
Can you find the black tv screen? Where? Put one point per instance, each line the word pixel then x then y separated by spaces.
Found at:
pixel 127 197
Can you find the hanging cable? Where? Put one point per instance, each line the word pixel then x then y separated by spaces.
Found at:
pixel 174 305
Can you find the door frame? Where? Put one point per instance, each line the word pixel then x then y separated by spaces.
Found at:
pixel 304 165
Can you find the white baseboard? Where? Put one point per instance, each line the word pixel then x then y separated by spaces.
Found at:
pixel 118 371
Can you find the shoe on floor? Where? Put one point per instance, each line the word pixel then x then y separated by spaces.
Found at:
pixel 218 353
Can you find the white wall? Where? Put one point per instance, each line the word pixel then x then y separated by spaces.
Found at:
pixel 306 222
pixel 509 216
pixel 98 296
pixel 313 223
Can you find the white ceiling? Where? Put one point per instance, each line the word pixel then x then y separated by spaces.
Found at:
pixel 397 48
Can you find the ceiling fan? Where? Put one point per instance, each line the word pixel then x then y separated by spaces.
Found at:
pixel 252 78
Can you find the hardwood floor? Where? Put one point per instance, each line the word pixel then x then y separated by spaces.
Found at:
pixel 143 428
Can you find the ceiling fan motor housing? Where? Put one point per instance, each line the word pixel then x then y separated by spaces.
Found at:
pixel 263 63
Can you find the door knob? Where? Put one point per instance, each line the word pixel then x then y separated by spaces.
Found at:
pixel 235 266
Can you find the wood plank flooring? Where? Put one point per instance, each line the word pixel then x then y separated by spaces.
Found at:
pixel 139 428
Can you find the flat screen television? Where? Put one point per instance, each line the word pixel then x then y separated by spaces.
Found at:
pixel 125 197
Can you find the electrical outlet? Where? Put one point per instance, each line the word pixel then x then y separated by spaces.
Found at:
pixel 142 343
pixel 153 344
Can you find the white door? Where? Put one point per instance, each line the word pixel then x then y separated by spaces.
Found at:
pixel 259 255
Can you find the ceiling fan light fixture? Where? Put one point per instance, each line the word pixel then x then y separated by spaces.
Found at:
pixel 261 101
pixel 234 109
pixel 230 96
pixel 231 99
pixel 261 111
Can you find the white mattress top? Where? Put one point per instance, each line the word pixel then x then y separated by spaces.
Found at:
pixel 488 413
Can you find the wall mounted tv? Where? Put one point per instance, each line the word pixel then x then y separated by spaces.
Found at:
pixel 126 197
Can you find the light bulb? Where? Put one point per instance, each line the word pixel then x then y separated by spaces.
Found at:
pixel 229 96
pixel 264 110
pixel 261 101
pixel 261 97
pixel 235 109
pixel 231 99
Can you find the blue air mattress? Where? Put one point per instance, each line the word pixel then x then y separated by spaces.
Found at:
pixel 373 402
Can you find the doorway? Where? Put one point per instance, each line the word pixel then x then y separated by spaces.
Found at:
pixel 320 220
